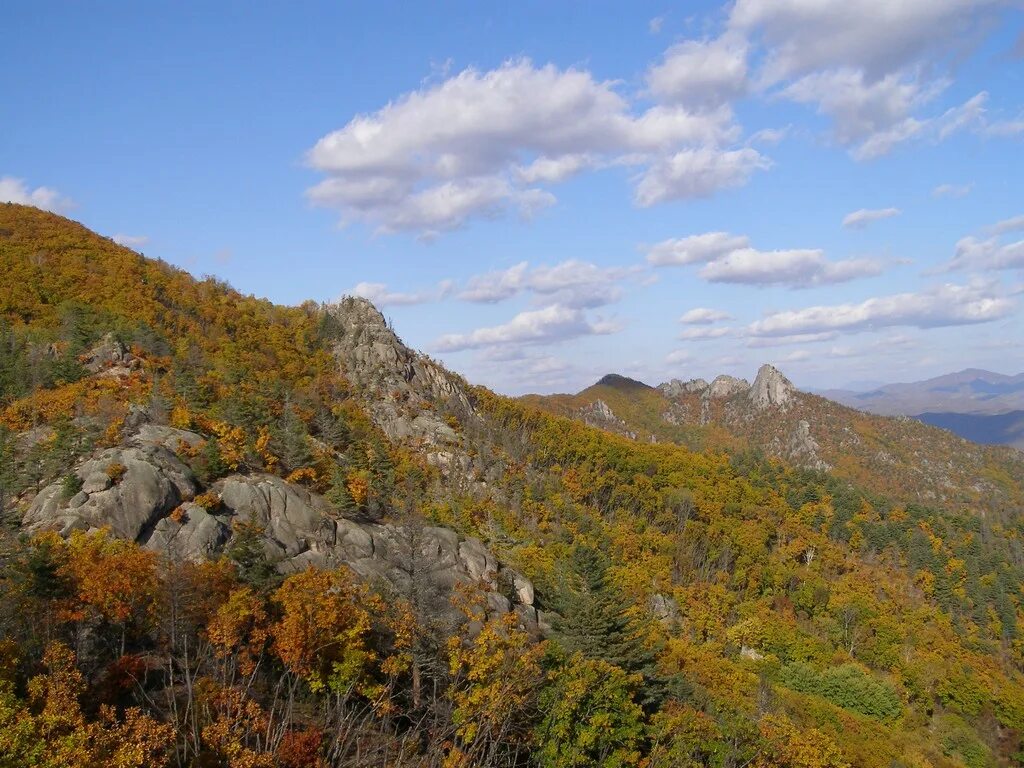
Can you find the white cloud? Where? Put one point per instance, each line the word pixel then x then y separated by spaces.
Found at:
pixel 696 173
pixel 547 169
pixel 798 268
pixel 730 258
pixel 492 287
pixel 798 338
pixel 654 25
pixel 1006 129
pixel 1013 224
pixel 474 144
pixel 539 326
pixel 130 241
pixel 678 356
pixel 573 283
pixel 704 316
pixel 953 190
pixel 695 248
pixel 381 296
pixel 861 218
pixel 878 36
pixel 701 73
pixel 704 334
pixel 944 305
pixel 14 190
pixel 989 254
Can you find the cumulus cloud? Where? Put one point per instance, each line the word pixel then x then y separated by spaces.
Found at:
pixel 678 356
pixel 696 173
pixel 797 338
pixel 539 326
pixel 987 254
pixel 944 305
pixel 14 190
pixel 695 248
pixel 859 219
pixel 952 190
pixel 798 268
pixel 381 296
pixel 701 73
pixel 130 241
pixel 1013 224
pixel 877 36
pixel 480 143
pixel 704 316
pixel 704 334
pixel 571 283
pixel 730 258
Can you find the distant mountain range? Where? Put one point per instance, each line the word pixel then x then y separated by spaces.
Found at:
pixel 980 405
pixel 894 455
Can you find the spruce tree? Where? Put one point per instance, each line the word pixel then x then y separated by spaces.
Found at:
pixel 596 622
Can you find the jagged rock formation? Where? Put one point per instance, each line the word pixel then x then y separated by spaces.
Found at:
pixel 726 386
pixel 599 414
pixel 407 394
pixel 771 389
pixel 802 449
pixel 127 489
pixel 143 492
pixel 675 387
pixel 111 357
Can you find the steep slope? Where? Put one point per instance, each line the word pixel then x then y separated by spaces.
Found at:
pixel 897 456
pixel 698 606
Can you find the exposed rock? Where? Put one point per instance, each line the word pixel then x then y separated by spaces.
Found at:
pixel 803 449
pixel 130 501
pixel 747 652
pixel 676 388
pixel 771 389
pixel 599 415
pixel 195 535
pixel 291 516
pixel 168 437
pixel 726 386
pixel 664 609
pixel 405 391
pixel 110 355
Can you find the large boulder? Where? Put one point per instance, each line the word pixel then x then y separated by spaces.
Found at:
pixel 126 489
pixel 191 533
pixel 292 518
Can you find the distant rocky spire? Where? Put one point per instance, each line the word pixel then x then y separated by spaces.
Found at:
pixel 771 388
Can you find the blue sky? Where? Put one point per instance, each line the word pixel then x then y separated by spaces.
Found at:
pixel 542 195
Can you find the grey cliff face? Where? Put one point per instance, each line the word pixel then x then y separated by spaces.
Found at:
pixel 726 386
pixel 406 394
pixel 771 389
pixel 150 501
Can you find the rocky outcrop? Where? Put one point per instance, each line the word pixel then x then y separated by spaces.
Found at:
pixel 408 395
pixel 726 386
pixel 802 449
pixel 127 489
pixel 677 388
pixel 771 389
pixel 599 414
pixel 111 357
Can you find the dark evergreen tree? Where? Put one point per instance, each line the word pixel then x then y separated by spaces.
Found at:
pixel 596 621
pixel 289 439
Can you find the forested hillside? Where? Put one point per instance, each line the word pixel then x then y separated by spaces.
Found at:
pixel 244 535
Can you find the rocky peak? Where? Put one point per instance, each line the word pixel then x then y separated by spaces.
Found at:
pixel 726 386
pixel 675 388
pixel 771 388
pixel 408 395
